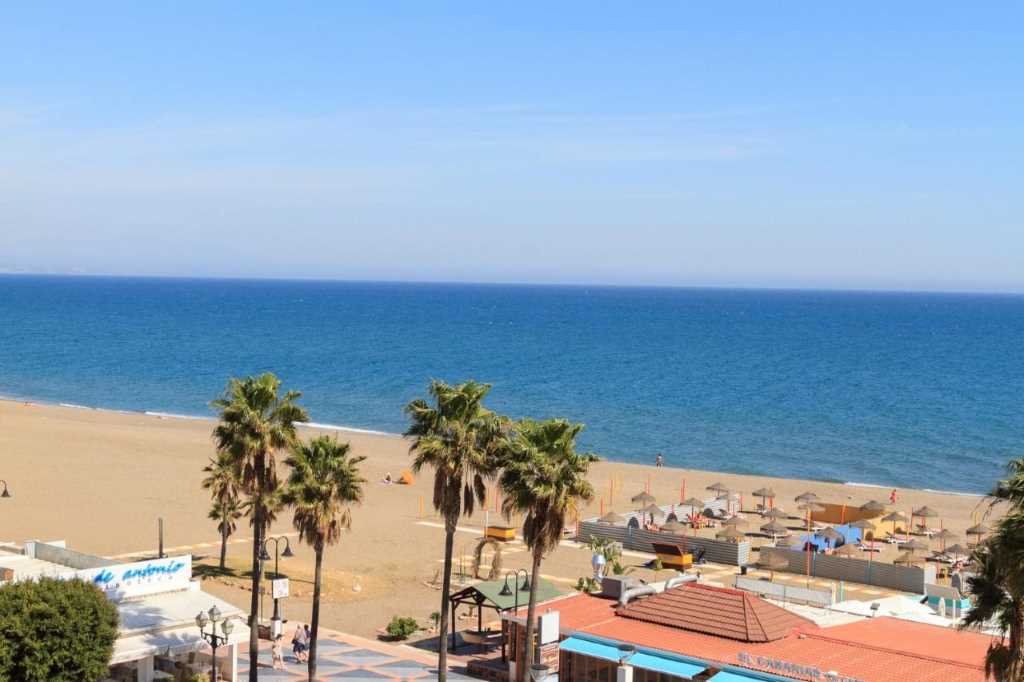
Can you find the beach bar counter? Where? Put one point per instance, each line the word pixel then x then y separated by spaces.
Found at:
pixel 157 602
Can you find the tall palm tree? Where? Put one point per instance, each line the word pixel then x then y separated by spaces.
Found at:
pixel 324 482
pixel 223 482
pixel 256 422
pixel 545 479
pixel 460 439
pixel 997 586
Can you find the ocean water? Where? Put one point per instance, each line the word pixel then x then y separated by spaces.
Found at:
pixel 908 390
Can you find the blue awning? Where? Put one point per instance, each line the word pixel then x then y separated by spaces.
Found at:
pixel 647 661
pixel 726 676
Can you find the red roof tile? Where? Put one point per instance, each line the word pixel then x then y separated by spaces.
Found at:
pixel 716 611
pixel 872 650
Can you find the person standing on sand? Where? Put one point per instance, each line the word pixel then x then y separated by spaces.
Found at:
pixel 659 461
pixel 892 496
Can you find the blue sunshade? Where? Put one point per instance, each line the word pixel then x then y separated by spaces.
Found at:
pixel 607 652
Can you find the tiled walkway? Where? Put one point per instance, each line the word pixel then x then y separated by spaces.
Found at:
pixel 350 658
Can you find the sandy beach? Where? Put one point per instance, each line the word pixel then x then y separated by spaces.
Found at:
pixel 101 480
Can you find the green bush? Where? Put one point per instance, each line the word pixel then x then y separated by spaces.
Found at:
pixel 55 630
pixel 401 628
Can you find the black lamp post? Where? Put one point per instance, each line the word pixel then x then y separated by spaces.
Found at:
pixel 211 618
pixel 265 556
pixel 507 591
pixel 6 492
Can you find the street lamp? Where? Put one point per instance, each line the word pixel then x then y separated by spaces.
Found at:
pixel 265 556
pixel 507 591
pixel 5 493
pixel 211 618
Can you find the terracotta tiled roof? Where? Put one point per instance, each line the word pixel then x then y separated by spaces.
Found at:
pixel 716 611
pixel 872 650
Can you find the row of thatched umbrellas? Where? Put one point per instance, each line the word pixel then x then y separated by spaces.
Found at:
pixel 808 503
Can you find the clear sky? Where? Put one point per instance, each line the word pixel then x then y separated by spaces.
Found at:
pixel 877 145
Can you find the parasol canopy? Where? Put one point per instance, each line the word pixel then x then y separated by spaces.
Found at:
pixel 831 534
pixel 694 502
pixel 643 497
pixel 906 558
pixel 863 524
pixel 914 545
pixel 957 550
pixel 673 527
pixel 812 507
pixel 774 528
pixel 735 521
pixel 895 516
pixel 652 509
pixel 872 507
pixel 806 497
pixel 718 488
pixel 847 550
pixel 945 535
pixel 926 513
pixel 977 529
pixel 776 513
pixel 764 493
pixel 612 518
pixel 729 533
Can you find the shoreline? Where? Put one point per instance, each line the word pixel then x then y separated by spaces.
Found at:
pixel 321 426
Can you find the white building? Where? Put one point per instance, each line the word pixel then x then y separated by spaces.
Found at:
pixel 157 601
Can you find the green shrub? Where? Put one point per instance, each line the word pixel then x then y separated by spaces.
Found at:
pixel 55 630
pixel 401 628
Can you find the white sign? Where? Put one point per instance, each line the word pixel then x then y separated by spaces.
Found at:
pixel 140 578
pixel 549 627
pixel 279 588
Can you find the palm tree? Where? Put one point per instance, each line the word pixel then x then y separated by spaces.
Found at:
pixel 460 440
pixel 225 487
pixel 226 514
pixel 997 586
pixel 323 483
pixel 255 423
pixel 545 479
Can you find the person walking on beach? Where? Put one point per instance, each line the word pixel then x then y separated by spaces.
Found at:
pixel 892 496
pixel 659 461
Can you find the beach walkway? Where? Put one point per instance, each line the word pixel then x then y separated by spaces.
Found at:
pixel 347 657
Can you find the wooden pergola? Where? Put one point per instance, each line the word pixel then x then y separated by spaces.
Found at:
pixel 507 594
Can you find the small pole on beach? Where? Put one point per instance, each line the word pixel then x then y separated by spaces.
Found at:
pixel 682 492
pixel 602 505
pixel 421 506
pixel 160 533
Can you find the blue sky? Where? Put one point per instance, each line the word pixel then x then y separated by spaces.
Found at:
pixel 727 144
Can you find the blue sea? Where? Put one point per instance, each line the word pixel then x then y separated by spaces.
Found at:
pixel 908 390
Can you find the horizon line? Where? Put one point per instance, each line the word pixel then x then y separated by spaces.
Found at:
pixel 550 285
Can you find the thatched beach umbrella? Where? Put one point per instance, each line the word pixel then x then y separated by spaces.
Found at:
pixel 772 563
pixel 730 533
pixel 925 512
pixel 673 527
pixel 695 504
pixel 612 518
pixel 944 536
pixel 830 534
pixel 914 545
pixel 774 529
pixel 872 507
pixel 787 541
pixel 895 517
pixel 847 550
pixel 717 488
pixel 765 494
pixel 978 529
pixel 735 521
pixel 643 497
pixel 776 513
pixel 806 497
pixel 957 550
pixel 907 558
pixel 810 507
pixel 652 510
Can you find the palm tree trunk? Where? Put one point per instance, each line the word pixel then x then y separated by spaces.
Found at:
pixel 223 542
pixel 315 625
pixel 446 584
pixel 531 612
pixel 254 603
